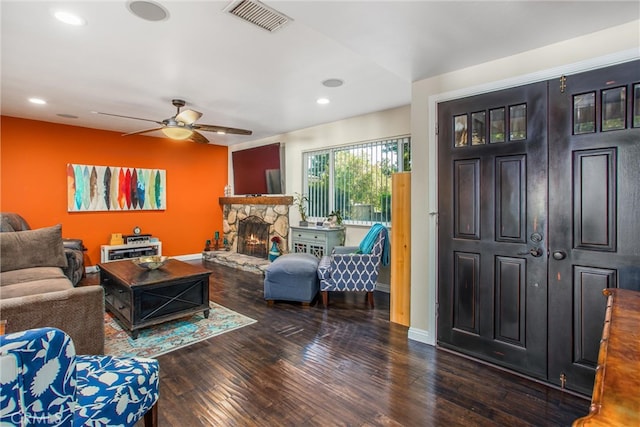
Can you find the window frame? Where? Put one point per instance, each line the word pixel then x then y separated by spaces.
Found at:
pixel 402 155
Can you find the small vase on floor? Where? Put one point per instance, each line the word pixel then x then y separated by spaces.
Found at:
pixel 274 252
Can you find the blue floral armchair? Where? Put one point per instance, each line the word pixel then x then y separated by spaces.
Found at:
pixel 44 383
pixel 355 268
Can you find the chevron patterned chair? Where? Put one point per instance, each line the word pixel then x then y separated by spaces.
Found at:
pixel 44 383
pixel 355 268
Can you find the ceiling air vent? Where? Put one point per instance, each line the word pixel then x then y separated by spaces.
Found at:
pixel 258 14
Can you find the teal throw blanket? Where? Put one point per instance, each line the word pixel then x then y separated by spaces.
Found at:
pixel 366 246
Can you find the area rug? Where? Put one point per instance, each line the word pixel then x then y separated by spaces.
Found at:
pixel 169 336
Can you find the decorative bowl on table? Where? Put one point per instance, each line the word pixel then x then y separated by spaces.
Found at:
pixel 152 262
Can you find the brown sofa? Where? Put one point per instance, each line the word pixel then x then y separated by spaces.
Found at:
pixel 35 292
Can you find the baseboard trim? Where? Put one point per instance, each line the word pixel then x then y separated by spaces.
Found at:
pixel 421 335
pixel 188 257
pixel 383 287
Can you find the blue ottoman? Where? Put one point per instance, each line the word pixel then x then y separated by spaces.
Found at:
pixel 292 277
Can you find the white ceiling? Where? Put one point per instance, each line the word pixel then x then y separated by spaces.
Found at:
pixel 239 75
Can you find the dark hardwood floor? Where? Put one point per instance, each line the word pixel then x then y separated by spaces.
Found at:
pixel 347 366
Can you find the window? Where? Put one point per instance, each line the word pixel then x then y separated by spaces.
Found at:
pixel 355 179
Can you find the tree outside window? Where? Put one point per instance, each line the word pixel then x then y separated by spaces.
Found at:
pixel 355 179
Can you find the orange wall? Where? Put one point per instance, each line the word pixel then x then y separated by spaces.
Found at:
pixel 33 183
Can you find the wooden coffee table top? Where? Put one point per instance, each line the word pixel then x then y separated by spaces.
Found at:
pixel 130 274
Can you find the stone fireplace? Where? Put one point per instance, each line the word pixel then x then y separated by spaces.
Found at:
pixel 241 213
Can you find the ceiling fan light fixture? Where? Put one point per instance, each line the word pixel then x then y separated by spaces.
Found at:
pixel 177 132
pixel 181 126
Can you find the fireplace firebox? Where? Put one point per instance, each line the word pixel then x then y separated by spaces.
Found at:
pixel 253 237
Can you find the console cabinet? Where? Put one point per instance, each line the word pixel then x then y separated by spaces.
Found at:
pixel 316 241
pixel 615 400
pixel 131 250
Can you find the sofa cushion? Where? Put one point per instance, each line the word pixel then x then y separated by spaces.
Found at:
pixel 29 274
pixel 35 287
pixel 33 248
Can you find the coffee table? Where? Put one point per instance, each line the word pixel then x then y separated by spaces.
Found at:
pixel 139 297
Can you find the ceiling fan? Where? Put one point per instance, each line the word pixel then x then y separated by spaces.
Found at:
pixel 183 125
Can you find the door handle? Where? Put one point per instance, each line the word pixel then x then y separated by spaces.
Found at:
pixel 559 255
pixel 535 252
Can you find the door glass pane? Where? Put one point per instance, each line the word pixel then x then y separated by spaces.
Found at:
pixel 518 122
pixel 496 117
pixel 478 128
pixel 636 105
pixel 460 130
pixel 613 109
pixel 584 113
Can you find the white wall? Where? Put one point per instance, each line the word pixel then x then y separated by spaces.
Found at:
pixel 616 44
pixel 374 126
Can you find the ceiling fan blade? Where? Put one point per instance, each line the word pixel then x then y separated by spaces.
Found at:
pixel 222 129
pixel 141 132
pixel 198 137
pixel 128 117
pixel 188 117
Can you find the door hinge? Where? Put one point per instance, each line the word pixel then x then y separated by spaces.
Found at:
pixel 563 84
pixel 436 129
pixel 434 215
pixel 563 380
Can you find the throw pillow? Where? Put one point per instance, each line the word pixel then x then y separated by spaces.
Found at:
pixel 33 248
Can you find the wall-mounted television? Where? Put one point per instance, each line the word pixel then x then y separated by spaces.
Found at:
pixel 258 170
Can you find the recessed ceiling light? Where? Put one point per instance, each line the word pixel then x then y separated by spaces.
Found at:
pixel 148 10
pixel 38 101
pixel 333 82
pixel 69 18
pixel 323 101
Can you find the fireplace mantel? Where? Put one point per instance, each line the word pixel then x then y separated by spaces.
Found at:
pixel 256 200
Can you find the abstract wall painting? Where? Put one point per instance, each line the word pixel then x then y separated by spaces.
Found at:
pixel 113 188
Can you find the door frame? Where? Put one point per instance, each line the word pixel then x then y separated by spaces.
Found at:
pixel 429 336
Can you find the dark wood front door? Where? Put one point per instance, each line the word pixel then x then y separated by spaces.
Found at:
pixel 538 199
pixel 492 227
pixel 594 211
